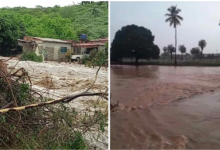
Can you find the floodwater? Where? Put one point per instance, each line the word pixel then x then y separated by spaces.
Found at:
pixel 149 115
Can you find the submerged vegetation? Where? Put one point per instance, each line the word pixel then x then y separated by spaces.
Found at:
pixel 96 57
pixel 32 56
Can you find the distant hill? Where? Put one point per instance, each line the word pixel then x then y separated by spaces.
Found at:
pixel 63 22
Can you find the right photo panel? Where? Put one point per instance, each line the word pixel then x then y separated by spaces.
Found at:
pixel 165 75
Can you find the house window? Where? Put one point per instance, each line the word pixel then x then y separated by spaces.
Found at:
pixel 63 49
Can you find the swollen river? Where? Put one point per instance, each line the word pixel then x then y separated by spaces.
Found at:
pixel 164 108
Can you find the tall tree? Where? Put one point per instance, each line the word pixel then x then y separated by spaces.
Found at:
pixel 174 19
pixel 134 42
pixel 11 29
pixel 182 49
pixel 171 50
pixel 202 44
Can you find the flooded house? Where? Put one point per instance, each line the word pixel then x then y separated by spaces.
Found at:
pixel 55 49
pixel 51 49
pixel 84 48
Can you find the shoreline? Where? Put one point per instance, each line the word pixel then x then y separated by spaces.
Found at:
pixel 179 64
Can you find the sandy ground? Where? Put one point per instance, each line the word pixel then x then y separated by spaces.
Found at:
pixel 56 80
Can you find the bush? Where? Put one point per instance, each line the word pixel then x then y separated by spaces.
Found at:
pixel 32 56
pixel 68 55
pixel 95 58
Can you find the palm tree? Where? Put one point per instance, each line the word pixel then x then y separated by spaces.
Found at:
pixel 174 19
pixel 202 45
pixel 171 50
pixel 182 49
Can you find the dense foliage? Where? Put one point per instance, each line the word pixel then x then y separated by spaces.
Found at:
pixel 11 29
pixel 63 22
pixel 134 42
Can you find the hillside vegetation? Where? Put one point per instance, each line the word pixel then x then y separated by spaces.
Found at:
pixel 62 22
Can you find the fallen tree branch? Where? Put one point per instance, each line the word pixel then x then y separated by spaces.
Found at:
pixel 96 75
pixel 64 100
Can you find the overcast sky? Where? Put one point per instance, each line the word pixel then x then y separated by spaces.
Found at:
pixel 33 3
pixel 201 21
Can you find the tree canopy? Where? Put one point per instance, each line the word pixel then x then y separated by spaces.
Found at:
pixel 64 22
pixel 11 29
pixel 195 51
pixel 202 44
pixel 132 41
pixel 182 49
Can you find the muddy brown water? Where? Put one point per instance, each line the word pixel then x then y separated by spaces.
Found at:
pixel 192 123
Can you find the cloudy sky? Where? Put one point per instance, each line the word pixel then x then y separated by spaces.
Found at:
pixel 201 21
pixel 33 3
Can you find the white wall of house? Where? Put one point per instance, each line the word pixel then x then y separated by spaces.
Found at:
pixel 56 53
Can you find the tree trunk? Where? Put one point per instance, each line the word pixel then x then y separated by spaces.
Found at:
pixel 175 63
pixel 136 61
pixel 201 53
pixel 181 56
pixel 171 57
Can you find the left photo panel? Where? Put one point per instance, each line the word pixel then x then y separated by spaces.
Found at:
pixel 54 75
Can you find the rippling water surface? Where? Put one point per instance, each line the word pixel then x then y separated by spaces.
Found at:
pixel 149 115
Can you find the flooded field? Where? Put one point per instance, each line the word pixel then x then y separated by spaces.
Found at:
pixel 146 118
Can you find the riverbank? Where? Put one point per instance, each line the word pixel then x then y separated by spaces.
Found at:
pixel 161 62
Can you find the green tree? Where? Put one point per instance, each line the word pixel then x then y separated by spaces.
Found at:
pixel 165 49
pixel 11 29
pixel 195 51
pixel 174 19
pixel 155 52
pixel 133 42
pixel 182 49
pixel 80 20
pixel 171 50
pixel 202 44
